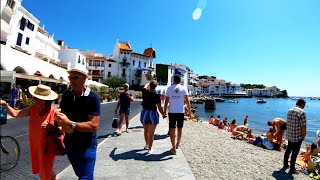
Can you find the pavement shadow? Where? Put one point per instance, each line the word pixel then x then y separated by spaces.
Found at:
pixel 282 174
pixel 136 127
pixel 159 137
pixel 139 156
pixel 105 136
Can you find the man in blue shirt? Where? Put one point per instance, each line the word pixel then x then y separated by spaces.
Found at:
pixel 79 118
pixel 124 102
pixel 14 95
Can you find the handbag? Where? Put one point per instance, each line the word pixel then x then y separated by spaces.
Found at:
pixel 115 123
pixel 56 138
pixel 3 115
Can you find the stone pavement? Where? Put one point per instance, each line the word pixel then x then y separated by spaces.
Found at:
pixel 123 157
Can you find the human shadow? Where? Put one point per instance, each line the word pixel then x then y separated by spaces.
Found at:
pixel 159 137
pixel 282 174
pixel 104 136
pixel 139 156
pixel 136 127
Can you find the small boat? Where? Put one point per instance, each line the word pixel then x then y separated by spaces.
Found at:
pixel 217 99
pixel 233 101
pixel 260 101
pixel 196 101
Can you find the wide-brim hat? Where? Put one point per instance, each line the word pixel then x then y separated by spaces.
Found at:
pixel 43 92
pixel 79 68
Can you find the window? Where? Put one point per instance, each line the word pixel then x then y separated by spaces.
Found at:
pixel 110 65
pixel 27 40
pixel 145 64
pixel 133 62
pixel 23 22
pixel 83 61
pixel 139 63
pixel 19 39
pixel 30 26
pixel 11 3
pixel 79 59
pixel 102 73
pixel 102 63
pixel 109 74
pixel 90 63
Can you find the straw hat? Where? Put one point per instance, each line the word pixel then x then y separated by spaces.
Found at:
pixel 79 68
pixel 43 92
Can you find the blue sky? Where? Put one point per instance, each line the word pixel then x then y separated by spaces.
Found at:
pixel 272 42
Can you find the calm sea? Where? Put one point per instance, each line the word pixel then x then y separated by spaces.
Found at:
pixel 259 114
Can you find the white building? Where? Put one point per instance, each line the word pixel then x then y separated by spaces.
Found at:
pixel 72 56
pixel 258 92
pixel 131 65
pixel 96 65
pixel 21 46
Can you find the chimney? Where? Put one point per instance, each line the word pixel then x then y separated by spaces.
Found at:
pixel 43 26
pixel 61 43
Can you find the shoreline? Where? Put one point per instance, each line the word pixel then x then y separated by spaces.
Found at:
pixel 213 154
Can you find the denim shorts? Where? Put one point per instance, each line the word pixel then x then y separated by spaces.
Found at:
pixel 125 111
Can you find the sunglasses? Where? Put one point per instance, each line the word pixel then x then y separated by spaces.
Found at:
pixel 73 77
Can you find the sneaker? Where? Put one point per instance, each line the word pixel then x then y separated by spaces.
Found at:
pixel 146 147
pixel 177 146
pixel 150 151
pixel 173 152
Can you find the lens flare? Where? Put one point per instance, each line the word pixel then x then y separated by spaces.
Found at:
pixel 196 14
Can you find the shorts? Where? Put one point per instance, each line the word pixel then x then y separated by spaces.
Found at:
pixel 284 126
pixel 176 120
pixel 125 111
pixel 149 117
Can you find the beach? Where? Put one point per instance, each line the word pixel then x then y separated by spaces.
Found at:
pixel 213 154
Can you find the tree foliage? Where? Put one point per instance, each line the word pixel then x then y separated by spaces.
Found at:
pixel 114 81
pixel 252 86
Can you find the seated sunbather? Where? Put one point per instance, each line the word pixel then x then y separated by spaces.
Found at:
pixel 232 125
pixel 312 152
pixel 225 121
pixel 238 131
pixel 250 137
pixel 211 119
pixel 221 125
pixel 216 121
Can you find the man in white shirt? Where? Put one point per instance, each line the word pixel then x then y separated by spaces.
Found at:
pixel 176 95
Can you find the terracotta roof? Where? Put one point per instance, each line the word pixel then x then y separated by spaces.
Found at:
pixel 150 52
pixel 96 58
pixel 125 46
pixel 139 54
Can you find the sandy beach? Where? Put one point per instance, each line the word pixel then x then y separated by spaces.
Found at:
pixel 213 154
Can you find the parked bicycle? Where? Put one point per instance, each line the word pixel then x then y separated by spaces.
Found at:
pixel 9 147
pixel 10 153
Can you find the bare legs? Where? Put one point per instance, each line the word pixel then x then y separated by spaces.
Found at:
pixel 122 116
pixel 149 130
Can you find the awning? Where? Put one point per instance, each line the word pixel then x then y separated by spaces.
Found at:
pixel 37 78
pixel 95 84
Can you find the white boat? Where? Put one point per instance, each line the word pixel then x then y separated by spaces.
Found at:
pixel 260 101
pixel 233 101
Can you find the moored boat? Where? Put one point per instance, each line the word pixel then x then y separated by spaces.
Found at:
pixel 260 101
pixel 233 101
pixel 217 99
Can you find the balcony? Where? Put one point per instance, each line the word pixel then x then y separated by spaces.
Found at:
pixel 124 75
pixel 124 64
pixel 5 31
pixel 8 10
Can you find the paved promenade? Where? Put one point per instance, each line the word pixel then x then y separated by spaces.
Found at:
pixel 123 157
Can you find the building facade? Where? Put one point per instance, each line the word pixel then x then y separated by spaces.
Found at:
pixel 132 65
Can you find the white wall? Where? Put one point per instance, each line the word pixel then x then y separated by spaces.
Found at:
pixel 72 56
pixel 15 29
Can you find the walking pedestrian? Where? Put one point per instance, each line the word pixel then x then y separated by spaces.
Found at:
pixel 149 115
pixel 296 133
pixel 79 118
pixel 124 103
pixel 14 93
pixel 42 150
pixel 176 95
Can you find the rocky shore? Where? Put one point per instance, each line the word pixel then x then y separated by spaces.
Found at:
pixel 213 154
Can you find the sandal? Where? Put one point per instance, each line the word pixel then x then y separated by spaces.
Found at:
pixel 173 152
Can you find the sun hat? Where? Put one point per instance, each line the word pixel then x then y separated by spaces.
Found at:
pixel 79 68
pixel 43 92
pixel 126 84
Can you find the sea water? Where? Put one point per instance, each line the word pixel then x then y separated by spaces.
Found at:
pixel 260 114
